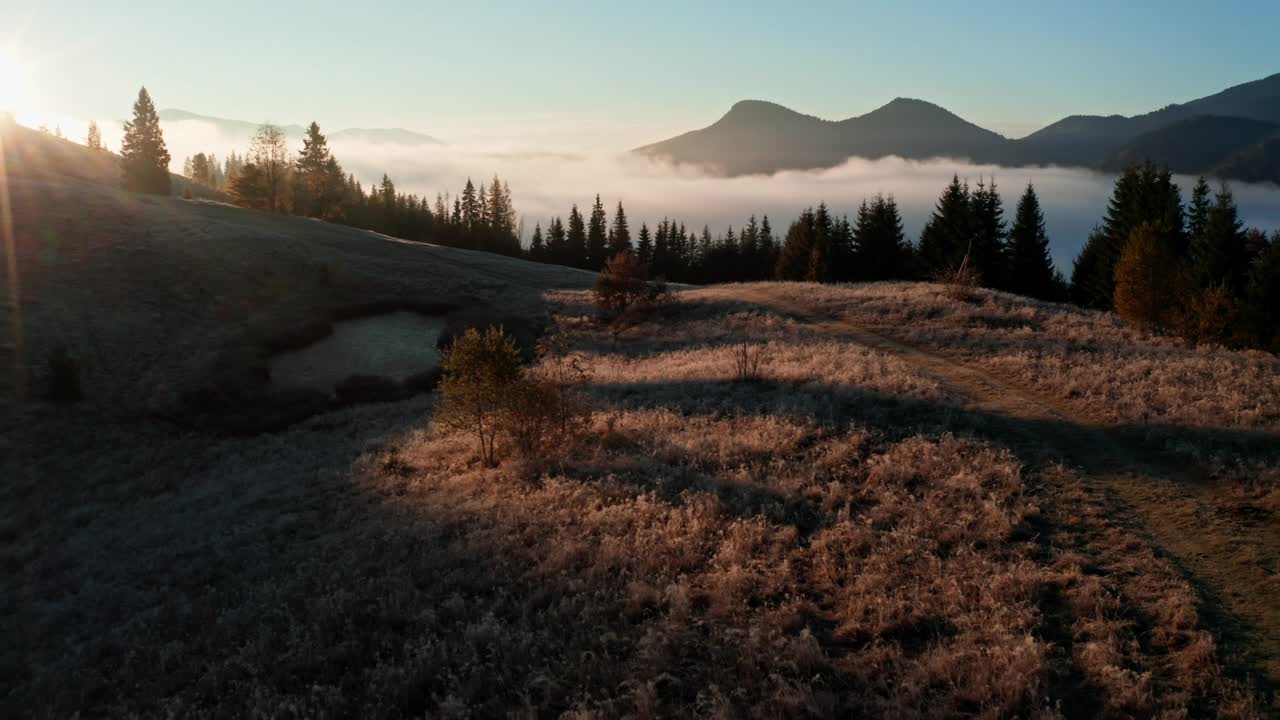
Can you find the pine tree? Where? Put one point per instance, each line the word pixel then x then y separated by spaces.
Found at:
pixel 644 249
pixel 1262 298
pixel 880 245
pixel 768 260
pixel 94 139
pixel 576 240
pixel 619 233
pixel 945 240
pixel 143 154
pixel 597 237
pixel 1030 267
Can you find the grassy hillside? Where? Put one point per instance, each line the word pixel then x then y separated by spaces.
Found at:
pixel 924 506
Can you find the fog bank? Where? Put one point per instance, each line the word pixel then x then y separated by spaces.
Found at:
pixel 546 181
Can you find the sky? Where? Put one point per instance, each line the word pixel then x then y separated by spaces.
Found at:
pixel 617 75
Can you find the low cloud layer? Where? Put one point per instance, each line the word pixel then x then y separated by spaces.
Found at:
pixel 546 181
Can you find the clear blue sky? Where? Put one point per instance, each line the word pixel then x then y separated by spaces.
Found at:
pixel 433 66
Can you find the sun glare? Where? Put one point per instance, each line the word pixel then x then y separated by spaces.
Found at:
pixel 12 85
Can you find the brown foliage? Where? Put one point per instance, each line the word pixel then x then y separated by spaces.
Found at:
pixel 623 286
pixel 1146 280
pixel 1210 318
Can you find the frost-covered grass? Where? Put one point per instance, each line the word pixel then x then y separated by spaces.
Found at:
pixel 1090 361
pixel 813 543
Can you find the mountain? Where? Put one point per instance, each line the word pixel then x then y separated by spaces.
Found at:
pixel 245 130
pixel 1201 135
pixel 1193 146
pixel 1257 163
pixel 763 137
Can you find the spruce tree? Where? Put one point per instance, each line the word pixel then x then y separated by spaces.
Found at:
pixel 470 208
pixel 946 237
pixel 1143 195
pixel 768 259
pixel 537 248
pixel 987 254
pixel 576 241
pixel 1218 255
pixel 644 246
pixel 144 157
pixel 557 243
pixel 620 233
pixel 1262 298
pixel 1198 211
pixel 797 248
pixel 597 236
pixel 880 244
pixel 1030 266
pixel 312 167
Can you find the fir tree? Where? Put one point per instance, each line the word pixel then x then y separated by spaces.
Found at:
pixel 315 193
pixel 143 153
pixel 470 208
pixel 797 248
pixel 987 254
pixel 644 248
pixel 597 239
pixel 1143 195
pixel 557 243
pixel 1218 255
pixel 619 233
pixel 1030 267
pixel 576 240
pixel 946 237
pixel 1198 211
pixel 880 244
pixel 537 249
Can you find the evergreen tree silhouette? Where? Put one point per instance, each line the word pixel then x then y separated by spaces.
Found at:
pixel 576 240
pixel 1030 266
pixel 945 240
pixel 644 248
pixel 619 233
pixel 144 157
pixel 1218 254
pixel 597 237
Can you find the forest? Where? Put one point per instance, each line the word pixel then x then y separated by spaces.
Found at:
pixel 1190 269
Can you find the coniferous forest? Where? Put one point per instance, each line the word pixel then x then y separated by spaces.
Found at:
pixel 1215 280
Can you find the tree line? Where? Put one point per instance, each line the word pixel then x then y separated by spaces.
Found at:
pixel 1192 270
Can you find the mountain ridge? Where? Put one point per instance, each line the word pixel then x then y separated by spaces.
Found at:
pixel 376 136
pixel 763 137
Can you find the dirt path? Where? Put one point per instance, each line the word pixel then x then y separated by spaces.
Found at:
pixel 1234 563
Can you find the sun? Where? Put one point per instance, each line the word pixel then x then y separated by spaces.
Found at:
pixel 12 84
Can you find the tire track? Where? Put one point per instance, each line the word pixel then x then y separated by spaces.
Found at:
pixel 1232 565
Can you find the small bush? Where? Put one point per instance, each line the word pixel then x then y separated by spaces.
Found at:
pixel 482 374
pixel 747 360
pixel 623 287
pixel 1210 317
pixel 489 395
pixel 62 376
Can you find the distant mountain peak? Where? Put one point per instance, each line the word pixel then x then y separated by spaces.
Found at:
pixel 373 136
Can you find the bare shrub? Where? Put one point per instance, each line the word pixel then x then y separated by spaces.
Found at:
pixel 962 283
pixel 623 287
pixel 549 410
pixel 482 376
pixel 62 376
pixel 748 359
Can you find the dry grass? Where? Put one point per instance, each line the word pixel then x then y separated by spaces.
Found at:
pixel 801 546
pixel 1088 360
